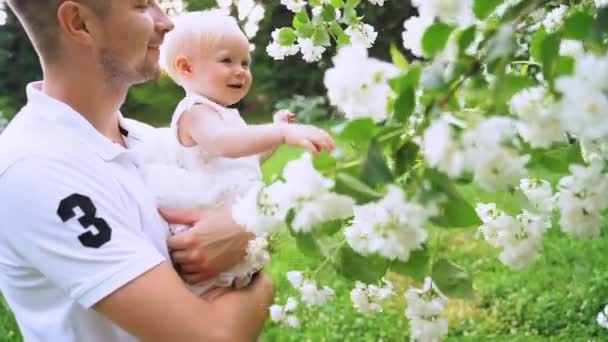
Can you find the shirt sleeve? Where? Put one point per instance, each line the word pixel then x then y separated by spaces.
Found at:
pixel 71 224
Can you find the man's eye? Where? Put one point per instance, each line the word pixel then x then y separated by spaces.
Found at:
pixel 142 3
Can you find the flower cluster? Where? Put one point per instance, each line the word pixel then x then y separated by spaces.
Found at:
pixel 363 93
pixel 355 33
pixel 602 317
pixel 486 150
pixel 368 297
pixel 256 258
pixel 310 292
pixel 583 195
pixel 392 227
pixel 304 190
pixel 424 307
pixel 284 314
pixel 520 237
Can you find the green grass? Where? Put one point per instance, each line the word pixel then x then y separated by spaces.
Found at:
pixel 556 299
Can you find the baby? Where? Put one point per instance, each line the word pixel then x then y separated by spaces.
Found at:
pixel 210 156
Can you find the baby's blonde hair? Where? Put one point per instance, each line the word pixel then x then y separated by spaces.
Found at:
pixel 194 33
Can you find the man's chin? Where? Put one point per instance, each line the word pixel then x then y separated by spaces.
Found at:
pixel 149 73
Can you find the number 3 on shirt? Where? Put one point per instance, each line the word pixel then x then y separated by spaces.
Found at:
pixel 88 239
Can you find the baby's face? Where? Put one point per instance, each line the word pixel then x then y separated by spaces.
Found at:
pixel 222 74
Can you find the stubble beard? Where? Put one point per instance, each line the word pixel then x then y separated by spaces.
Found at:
pixel 119 74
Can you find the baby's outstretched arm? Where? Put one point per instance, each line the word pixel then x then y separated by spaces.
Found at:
pixel 205 128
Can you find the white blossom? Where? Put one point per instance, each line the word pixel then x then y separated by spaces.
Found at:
pixel 377 2
pixel 539 193
pixel 571 47
pixel 363 93
pixel 368 298
pixel 602 317
pixel 424 307
pixel 363 34
pixel 285 314
pixel 278 51
pixel 555 18
pixel 584 105
pixel 520 237
pixel 601 3
pixel 392 227
pixel 254 17
pixel 583 195
pixel 414 29
pixel 310 51
pixel 594 149
pixel 295 278
pixel 259 211
pixel 540 123
pixel 294 5
pixel 455 12
pixel 442 150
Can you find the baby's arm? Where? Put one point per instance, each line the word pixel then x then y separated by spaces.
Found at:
pixel 206 128
pixel 280 117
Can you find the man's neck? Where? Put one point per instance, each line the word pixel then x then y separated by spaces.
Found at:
pixel 91 96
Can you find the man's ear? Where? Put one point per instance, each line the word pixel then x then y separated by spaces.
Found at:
pixel 75 21
pixel 183 66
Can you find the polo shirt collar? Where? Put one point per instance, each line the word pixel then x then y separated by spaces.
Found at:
pixel 58 114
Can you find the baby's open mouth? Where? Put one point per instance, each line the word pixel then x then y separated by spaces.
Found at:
pixel 235 86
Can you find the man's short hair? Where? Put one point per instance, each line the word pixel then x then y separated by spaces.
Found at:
pixel 39 18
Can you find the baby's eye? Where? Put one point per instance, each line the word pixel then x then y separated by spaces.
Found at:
pixel 245 64
pixel 226 60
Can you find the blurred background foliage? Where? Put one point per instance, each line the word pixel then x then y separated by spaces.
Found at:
pixel 291 83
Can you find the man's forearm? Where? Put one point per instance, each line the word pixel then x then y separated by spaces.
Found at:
pixel 245 311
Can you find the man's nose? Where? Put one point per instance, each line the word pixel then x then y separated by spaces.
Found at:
pixel 162 22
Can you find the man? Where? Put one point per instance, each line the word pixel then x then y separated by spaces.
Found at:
pixel 84 254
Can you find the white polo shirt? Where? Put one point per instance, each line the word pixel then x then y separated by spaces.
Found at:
pixel 76 221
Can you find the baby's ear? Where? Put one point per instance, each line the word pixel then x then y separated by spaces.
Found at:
pixel 183 66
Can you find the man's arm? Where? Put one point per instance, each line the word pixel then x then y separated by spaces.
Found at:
pixel 157 307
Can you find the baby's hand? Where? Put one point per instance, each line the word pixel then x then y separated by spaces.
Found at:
pixel 311 138
pixel 284 116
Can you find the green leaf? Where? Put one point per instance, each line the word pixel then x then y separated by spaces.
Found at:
pixel 452 280
pixel 416 267
pixel 557 159
pixel 330 228
pixel 411 79
pixel 565 66
pixel 455 211
pixel 354 266
pixel 324 161
pixel 398 58
pixel 287 36
pixel 350 15
pixel 321 37
pixel 483 8
pixel 337 4
pixel 307 244
pixel 536 45
pixel 359 130
pixel 549 55
pixel 343 39
pixel 301 18
pixel 405 157
pixel 578 26
pixel 353 187
pixel 352 3
pixel 509 85
pixel 599 31
pixel 435 38
pixel 328 13
pixel 406 88
pixel 306 30
pixel 374 170
pixel 467 37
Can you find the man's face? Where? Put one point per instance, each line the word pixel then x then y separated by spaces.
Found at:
pixel 129 41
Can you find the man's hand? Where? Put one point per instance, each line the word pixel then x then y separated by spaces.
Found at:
pixel 213 245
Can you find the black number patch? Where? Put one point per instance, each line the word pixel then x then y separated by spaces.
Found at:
pixel 88 239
